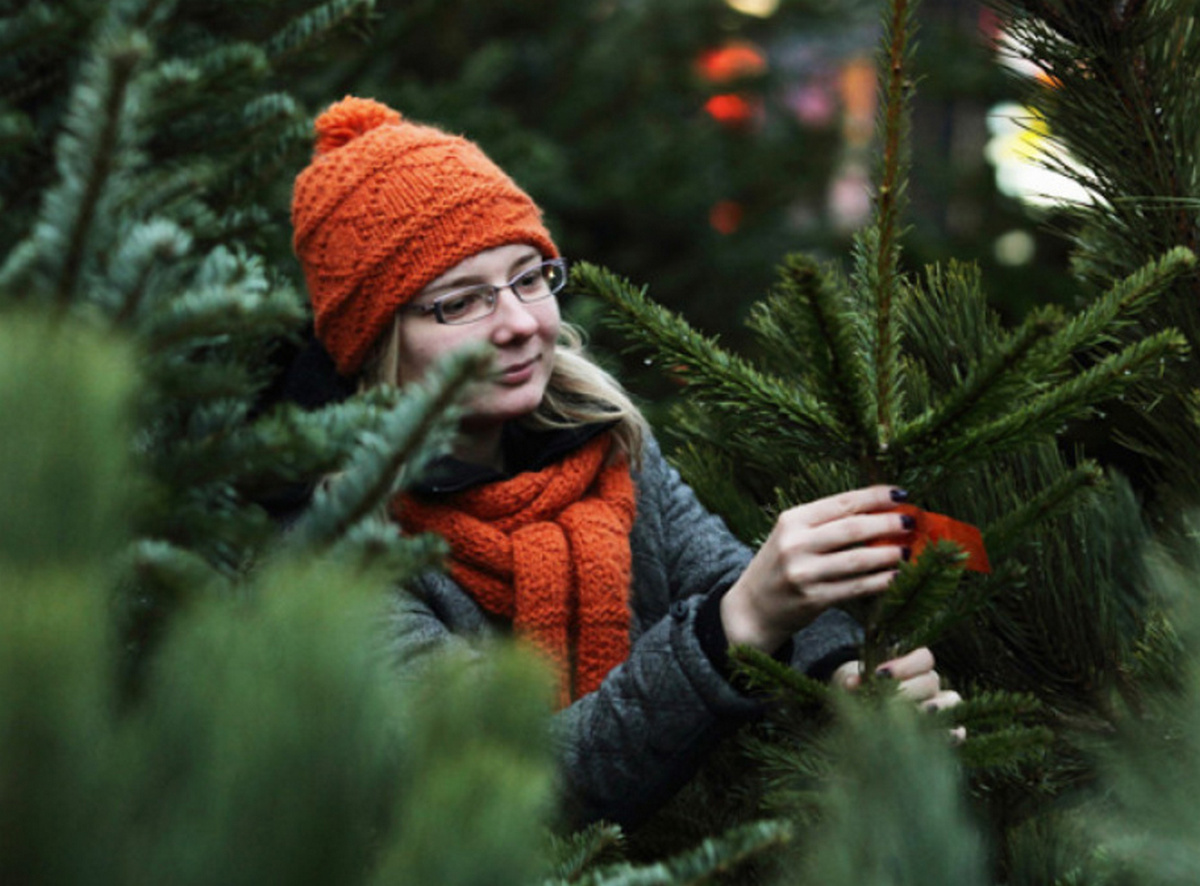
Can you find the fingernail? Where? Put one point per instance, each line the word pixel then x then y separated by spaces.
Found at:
pixel 899 495
pixel 885 672
pixel 906 554
pixel 908 521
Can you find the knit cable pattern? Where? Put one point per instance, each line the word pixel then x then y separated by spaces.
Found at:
pixel 387 206
pixel 550 551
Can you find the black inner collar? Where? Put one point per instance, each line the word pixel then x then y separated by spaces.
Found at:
pixel 524 449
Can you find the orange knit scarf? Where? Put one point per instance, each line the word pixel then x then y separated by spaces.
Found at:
pixel 550 550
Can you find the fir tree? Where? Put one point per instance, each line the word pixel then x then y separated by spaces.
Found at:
pixel 134 203
pixel 270 741
pixel 267 739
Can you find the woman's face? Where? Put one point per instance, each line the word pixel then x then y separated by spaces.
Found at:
pixel 522 336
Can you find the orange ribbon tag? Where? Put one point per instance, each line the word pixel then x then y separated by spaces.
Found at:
pixel 933 527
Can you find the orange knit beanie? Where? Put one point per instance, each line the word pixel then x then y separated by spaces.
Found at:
pixel 385 207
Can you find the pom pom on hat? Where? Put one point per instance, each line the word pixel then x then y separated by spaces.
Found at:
pixel 387 206
pixel 349 119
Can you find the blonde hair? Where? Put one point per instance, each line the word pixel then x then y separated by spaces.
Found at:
pixel 580 392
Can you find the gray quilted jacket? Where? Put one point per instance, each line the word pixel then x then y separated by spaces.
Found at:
pixel 628 746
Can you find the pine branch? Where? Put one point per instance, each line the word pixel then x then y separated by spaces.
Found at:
pixel 175 573
pixel 184 382
pixel 419 428
pixel 987 384
pixel 890 761
pixel 291 444
pixel 1045 414
pixel 1006 747
pixel 889 199
pixel 720 376
pixel 93 135
pixel 1117 308
pixel 903 613
pixel 1005 732
pixel 92 149
pixel 221 310
pixel 983 710
pixel 377 547
pixel 306 30
pixel 764 673
pixel 809 322
pixel 145 250
pixel 1123 105
pixel 715 856
pixel 1046 503
pixel 1039 348
pixel 577 851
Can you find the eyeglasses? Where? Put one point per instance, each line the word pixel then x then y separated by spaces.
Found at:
pixel 476 302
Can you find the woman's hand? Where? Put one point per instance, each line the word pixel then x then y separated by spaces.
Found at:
pixel 817 556
pixel 917 680
pixel 914 674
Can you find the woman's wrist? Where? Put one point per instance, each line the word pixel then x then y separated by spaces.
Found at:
pixel 743 625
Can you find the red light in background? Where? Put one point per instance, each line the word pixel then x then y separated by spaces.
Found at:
pixel 732 109
pixel 726 216
pixel 732 61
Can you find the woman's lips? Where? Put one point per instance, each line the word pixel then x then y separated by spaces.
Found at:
pixel 517 373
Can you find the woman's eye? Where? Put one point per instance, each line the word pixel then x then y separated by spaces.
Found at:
pixel 461 304
pixel 531 280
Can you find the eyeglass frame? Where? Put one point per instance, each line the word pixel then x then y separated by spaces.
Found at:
pixel 493 297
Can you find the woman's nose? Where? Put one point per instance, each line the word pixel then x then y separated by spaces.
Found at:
pixel 513 316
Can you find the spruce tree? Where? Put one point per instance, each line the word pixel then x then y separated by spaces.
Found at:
pixel 1118 97
pixel 874 374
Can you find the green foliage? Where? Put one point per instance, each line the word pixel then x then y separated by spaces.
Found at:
pixel 148 148
pixel 270 740
pixel 39 450
pixel 876 375
pixel 713 857
pixel 1122 112
pixel 895 812
pixel 137 205
pixel 1147 826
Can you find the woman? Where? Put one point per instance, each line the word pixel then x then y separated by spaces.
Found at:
pixel 565 523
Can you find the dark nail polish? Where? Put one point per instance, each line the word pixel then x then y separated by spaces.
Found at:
pixel 886 673
pixel 906 554
pixel 908 521
pixel 899 495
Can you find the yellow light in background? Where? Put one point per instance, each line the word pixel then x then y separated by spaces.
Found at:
pixel 1018 148
pixel 757 8
pixel 1027 159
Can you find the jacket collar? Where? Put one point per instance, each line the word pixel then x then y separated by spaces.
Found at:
pixel 525 449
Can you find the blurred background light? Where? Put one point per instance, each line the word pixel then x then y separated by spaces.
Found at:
pixel 732 61
pixel 759 8
pixel 1020 147
pixel 1015 248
